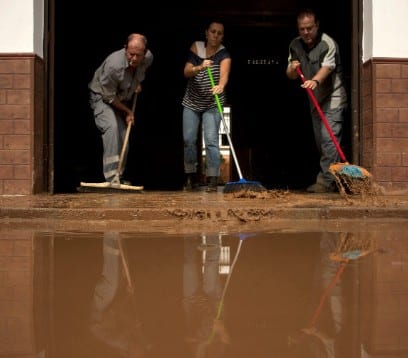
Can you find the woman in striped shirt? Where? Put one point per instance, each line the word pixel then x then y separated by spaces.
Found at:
pixel 200 105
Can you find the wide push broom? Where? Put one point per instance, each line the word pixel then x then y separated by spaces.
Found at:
pixel 115 185
pixel 242 186
pixel 349 177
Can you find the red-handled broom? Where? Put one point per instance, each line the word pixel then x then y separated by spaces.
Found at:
pixel 242 186
pixel 348 176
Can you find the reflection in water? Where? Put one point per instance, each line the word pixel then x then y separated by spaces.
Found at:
pixel 328 333
pixel 114 314
pixel 202 291
pixel 204 296
pixel 278 294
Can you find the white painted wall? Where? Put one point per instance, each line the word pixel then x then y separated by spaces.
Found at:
pixel 367 44
pixel 385 23
pixel 21 26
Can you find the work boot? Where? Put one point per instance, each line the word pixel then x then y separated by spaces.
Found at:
pixel 191 183
pixel 320 188
pixel 212 184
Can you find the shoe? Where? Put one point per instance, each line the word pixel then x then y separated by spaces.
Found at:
pixel 191 183
pixel 320 188
pixel 125 182
pixel 212 184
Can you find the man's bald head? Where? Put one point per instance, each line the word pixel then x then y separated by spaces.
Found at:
pixel 136 48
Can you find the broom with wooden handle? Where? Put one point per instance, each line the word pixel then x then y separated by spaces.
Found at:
pixel 114 185
pixel 116 180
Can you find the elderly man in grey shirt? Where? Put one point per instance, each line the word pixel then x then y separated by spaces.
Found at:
pixel 114 84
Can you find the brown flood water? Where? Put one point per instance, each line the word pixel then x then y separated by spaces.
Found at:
pixel 284 293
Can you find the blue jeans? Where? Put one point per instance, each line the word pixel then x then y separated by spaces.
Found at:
pixel 327 149
pixel 211 120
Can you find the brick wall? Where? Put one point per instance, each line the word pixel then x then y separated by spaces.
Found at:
pixel 384 297
pixel 385 122
pixel 21 125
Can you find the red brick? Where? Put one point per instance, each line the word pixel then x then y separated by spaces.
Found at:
pixel 14 112
pixel 15 65
pixel 383 85
pixel 400 174
pixel 21 172
pixel 387 114
pixel 21 126
pixel 388 71
pixel 383 174
pixel 392 100
pixel 404 71
pixel 6 171
pixel 6 126
pixel 398 186
pixel 17 142
pixel 6 81
pixel 14 157
pixel 22 81
pixel 404 159
pixel 392 145
pixel 400 130
pixel 389 159
pixel 22 65
pixel 18 97
pixel 15 186
pixel 383 130
pixel 399 86
pixel 403 115
pixel 2 96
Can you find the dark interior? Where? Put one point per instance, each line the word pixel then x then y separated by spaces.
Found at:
pixel 271 129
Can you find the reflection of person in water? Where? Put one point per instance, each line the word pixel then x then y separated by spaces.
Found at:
pixel 114 320
pixel 325 334
pixel 203 285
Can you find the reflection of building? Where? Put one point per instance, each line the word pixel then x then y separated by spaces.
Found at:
pixel 24 294
pixel 224 146
pixel 224 265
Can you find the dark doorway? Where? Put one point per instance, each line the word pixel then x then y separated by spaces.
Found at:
pixel 271 130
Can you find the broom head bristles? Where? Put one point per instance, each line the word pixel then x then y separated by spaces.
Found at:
pixel 243 185
pixel 352 179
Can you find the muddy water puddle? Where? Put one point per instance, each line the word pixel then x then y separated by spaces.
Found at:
pixel 284 293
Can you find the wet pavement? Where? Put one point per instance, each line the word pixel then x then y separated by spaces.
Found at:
pixel 191 275
pixel 178 211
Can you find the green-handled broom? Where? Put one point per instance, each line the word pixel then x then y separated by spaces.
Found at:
pixel 241 186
